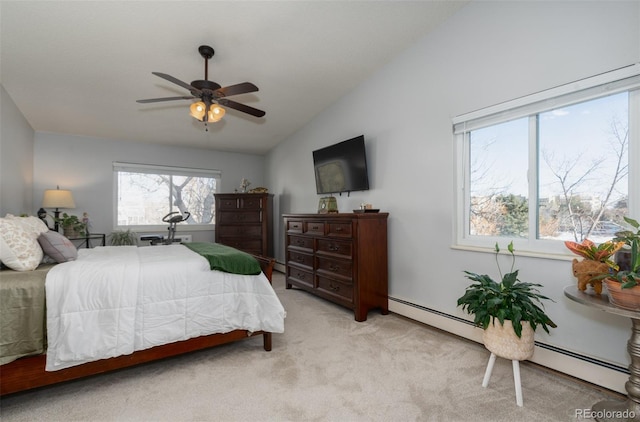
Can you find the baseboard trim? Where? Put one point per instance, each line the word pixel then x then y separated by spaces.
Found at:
pixel 592 370
pixel 279 266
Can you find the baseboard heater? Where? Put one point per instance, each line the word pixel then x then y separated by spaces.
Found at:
pixel 557 358
pixel 555 349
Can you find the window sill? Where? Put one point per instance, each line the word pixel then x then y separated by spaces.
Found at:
pixel 529 254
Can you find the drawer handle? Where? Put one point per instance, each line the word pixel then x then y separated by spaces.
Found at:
pixel 338 229
pixel 300 242
pixel 301 276
pixel 334 248
pixel 334 267
pixel 315 227
pixel 299 259
pixel 334 288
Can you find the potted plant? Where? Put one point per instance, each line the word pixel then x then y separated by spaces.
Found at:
pixel 123 237
pixel 509 311
pixel 624 285
pixel 623 256
pixel 596 263
pixel 71 225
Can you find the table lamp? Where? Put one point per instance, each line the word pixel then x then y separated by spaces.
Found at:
pixel 57 198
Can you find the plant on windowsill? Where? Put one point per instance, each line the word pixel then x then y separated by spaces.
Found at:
pixel 123 238
pixel 509 311
pixel 72 226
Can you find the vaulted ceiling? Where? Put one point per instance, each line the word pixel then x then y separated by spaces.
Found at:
pixel 77 67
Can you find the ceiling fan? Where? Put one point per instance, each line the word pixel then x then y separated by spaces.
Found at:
pixel 210 94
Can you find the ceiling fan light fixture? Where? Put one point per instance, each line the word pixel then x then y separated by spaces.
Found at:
pixel 197 110
pixel 216 113
pixel 207 94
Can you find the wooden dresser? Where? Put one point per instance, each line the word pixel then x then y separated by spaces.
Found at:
pixel 340 257
pixel 244 221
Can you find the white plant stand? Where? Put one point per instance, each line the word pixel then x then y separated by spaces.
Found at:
pixel 516 377
pixel 502 341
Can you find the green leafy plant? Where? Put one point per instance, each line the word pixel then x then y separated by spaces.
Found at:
pixel 629 277
pixel 509 299
pixel 72 223
pixel 123 238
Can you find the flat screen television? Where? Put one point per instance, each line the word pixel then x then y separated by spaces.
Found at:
pixel 341 167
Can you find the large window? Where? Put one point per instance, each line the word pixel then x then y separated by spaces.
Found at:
pixel 146 193
pixel 558 165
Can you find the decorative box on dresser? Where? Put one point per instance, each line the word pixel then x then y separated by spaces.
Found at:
pixel 244 221
pixel 339 257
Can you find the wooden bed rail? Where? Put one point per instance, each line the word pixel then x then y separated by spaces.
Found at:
pixel 29 372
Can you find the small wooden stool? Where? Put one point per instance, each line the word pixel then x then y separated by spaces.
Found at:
pixel 516 376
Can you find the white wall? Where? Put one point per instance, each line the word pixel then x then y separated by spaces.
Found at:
pixel 84 165
pixel 16 159
pixel 488 53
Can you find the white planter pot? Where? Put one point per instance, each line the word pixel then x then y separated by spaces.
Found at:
pixel 503 341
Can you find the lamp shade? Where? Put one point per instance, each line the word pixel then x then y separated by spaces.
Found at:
pixel 216 113
pixel 58 198
pixel 197 110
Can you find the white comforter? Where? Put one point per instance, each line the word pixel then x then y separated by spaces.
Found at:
pixel 115 300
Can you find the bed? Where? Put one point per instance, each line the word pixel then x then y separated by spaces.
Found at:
pixel 198 304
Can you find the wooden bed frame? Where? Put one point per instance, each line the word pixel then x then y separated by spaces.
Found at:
pixel 28 372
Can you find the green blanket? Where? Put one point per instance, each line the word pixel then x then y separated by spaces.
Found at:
pixel 225 258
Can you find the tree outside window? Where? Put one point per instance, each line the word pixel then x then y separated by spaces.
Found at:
pixel 145 196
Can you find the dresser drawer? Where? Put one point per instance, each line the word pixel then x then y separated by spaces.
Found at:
pixel 227 204
pixel 300 242
pixel 297 275
pixel 247 245
pixel 314 228
pixel 294 226
pixel 333 267
pixel 249 203
pixel 240 217
pixel 242 231
pixel 342 290
pixel 335 247
pixel 340 230
pixel 299 258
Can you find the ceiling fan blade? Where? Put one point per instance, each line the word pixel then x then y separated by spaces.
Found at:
pixel 178 82
pixel 238 89
pixel 241 107
pixel 156 100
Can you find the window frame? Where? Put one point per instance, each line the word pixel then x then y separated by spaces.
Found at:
pixel 616 81
pixel 164 170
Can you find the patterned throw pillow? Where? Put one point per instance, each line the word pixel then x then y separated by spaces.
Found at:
pixel 19 248
pixel 57 247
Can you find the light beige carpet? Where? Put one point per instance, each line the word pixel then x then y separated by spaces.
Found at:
pixel 325 367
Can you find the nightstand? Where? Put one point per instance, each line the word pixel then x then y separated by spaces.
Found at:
pixel 86 240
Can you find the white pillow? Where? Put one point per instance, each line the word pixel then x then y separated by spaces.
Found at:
pixel 19 247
